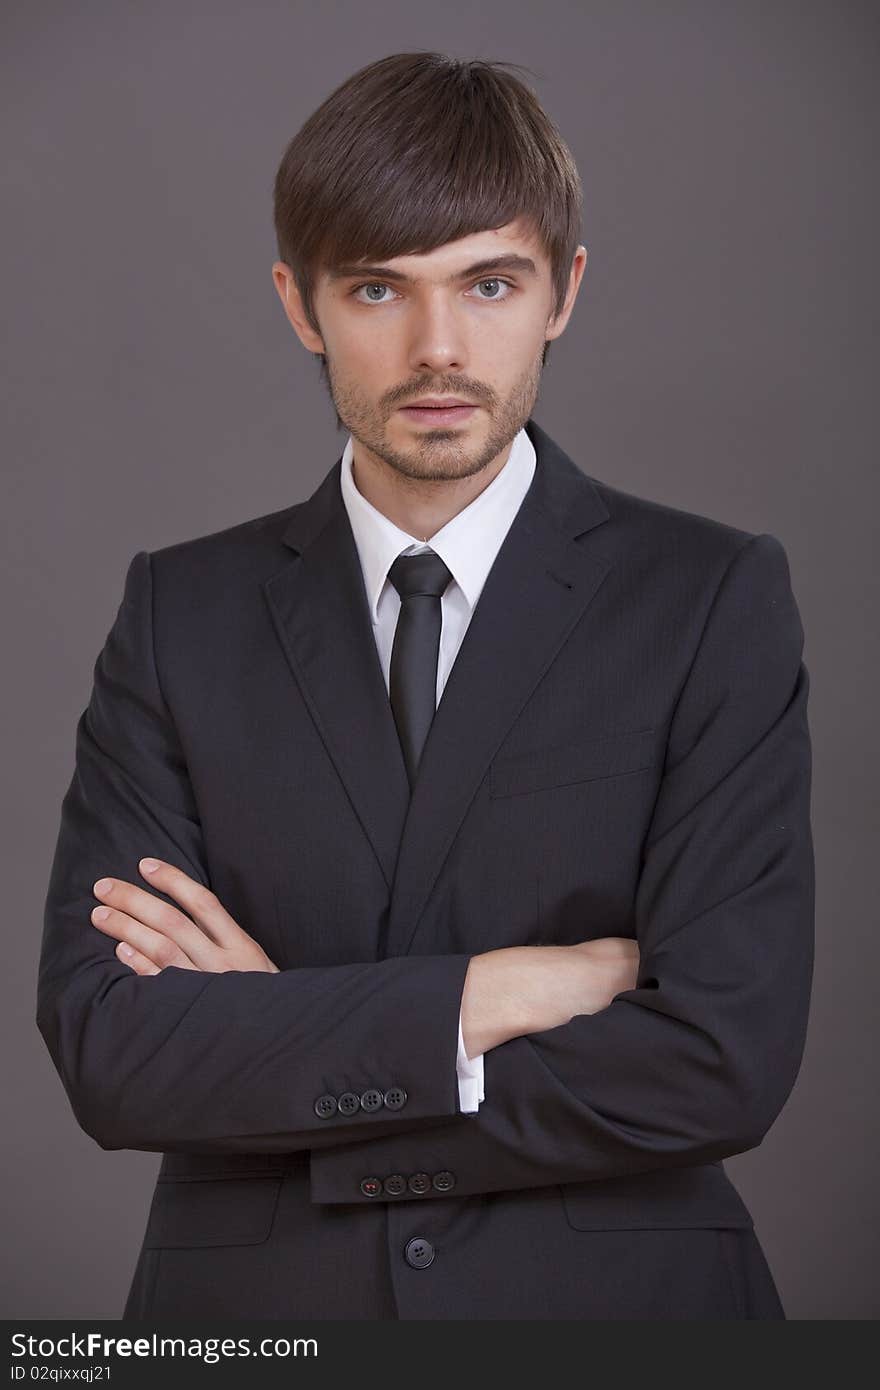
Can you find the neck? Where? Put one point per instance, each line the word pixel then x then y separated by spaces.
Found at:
pixel 419 506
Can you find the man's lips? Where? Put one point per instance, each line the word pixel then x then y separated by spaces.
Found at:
pixel 438 415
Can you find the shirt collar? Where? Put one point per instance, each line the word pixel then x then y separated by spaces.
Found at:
pixel 467 544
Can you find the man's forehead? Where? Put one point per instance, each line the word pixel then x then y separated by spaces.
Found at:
pixel 495 249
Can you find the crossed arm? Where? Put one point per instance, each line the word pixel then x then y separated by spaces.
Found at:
pixel 689 1063
pixel 508 992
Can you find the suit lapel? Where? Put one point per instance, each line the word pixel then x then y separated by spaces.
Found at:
pixel 322 617
pixel 537 589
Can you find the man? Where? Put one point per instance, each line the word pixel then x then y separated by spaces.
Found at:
pixel 478 928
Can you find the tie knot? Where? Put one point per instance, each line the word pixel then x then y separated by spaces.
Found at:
pixel 423 573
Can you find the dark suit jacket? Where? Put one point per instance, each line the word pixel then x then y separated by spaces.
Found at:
pixel 622 749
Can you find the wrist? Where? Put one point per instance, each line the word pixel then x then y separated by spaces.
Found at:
pixel 495 999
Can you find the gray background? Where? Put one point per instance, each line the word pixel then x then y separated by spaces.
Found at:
pixel 718 359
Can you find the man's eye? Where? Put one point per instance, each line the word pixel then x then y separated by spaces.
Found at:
pixel 371 285
pixel 379 285
pixel 496 281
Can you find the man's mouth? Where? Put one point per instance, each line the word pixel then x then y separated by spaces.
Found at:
pixel 438 415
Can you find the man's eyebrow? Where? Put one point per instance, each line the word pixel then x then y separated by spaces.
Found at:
pixel 385 272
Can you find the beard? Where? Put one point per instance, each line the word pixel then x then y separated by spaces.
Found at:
pixel 436 455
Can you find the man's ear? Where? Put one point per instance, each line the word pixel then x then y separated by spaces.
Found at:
pixel 557 322
pixel 291 299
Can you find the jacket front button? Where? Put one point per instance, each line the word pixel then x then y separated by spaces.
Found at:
pixel 395 1184
pixel 349 1103
pixel 372 1100
pixel 444 1181
pixel 419 1183
pixel 419 1252
pixel 371 1187
pixel 395 1098
pixel 325 1106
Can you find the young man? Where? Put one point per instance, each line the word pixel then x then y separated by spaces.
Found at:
pixel 481 924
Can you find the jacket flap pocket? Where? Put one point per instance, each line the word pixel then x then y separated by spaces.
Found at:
pixel 212 1211
pixel 195 1166
pixel 671 1197
pixel 607 756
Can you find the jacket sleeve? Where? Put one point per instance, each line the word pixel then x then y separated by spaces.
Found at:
pixel 212 1062
pixel 694 1063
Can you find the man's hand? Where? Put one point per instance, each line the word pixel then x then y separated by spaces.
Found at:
pixel 153 935
pixel 613 966
pixel 516 990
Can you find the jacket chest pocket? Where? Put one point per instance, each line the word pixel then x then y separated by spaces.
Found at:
pixel 610 755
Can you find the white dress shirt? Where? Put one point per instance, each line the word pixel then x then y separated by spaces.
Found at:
pixel 467 545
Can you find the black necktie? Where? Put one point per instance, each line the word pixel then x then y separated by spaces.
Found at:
pixel 420 580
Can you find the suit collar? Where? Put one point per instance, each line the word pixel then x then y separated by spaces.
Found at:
pixel 569 497
pixel 541 582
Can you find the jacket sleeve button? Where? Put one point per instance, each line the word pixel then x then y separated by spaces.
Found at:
pixel 349 1103
pixel 372 1100
pixel 395 1184
pixel 371 1187
pixel 419 1183
pixel 395 1098
pixel 325 1106
pixel 444 1181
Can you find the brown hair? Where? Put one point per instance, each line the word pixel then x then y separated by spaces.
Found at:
pixel 418 149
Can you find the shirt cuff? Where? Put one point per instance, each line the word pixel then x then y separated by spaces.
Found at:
pixel 470 1077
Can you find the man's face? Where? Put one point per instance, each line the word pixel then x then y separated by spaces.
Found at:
pixel 441 324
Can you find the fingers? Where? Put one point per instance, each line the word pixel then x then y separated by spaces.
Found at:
pixel 139 964
pixel 203 906
pixel 153 946
pixel 158 929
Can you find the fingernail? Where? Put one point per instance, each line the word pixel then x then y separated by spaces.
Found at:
pixel 101 914
pixel 149 866
pixel 103 885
